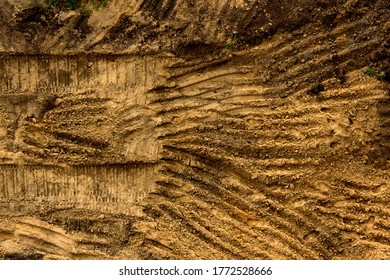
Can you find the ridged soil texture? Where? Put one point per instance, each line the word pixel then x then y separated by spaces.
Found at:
pixel 269 144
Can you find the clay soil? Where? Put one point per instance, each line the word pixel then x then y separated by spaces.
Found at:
pixel 181 129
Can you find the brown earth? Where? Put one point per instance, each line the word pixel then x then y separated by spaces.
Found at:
pixel 195 130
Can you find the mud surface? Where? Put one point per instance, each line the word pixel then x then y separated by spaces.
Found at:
pixel 195 130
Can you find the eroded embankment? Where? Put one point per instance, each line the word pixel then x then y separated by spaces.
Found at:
pixel 275 150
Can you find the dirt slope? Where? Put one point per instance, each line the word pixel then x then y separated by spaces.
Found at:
pixel 208 130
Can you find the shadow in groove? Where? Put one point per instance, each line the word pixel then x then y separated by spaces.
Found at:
pixel 381 152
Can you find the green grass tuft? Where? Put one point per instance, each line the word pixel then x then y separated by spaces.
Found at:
pixel 370 72
pixel 229 45
pixel 383 76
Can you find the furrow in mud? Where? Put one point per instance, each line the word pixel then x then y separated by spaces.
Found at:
pixel 257 131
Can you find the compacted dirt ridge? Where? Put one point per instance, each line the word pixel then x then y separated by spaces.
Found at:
pixel 180 129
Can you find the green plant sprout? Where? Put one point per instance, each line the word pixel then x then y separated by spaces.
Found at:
pixel 383 76
pixel 370 72
pixel 229 45
pixel 86 11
